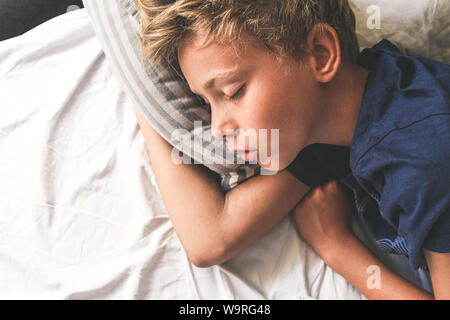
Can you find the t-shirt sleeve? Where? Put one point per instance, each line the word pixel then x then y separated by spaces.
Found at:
pixel 410 173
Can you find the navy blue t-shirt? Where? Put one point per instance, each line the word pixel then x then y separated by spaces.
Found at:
pixel 398 163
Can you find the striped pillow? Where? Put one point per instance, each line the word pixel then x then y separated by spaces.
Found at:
pixel 163 98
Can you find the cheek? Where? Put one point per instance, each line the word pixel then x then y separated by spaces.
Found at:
pixel 278 104
pixel 263 105
pixel 274 108
pixel 284 109
pixel 269 111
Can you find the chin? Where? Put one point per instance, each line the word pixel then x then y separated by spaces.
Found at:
pixel 274 164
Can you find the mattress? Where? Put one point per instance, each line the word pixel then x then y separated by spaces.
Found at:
pixel 81 216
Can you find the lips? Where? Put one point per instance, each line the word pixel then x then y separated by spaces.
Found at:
pixel 248 155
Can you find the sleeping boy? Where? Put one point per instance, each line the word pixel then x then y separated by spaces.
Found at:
pixel 373 125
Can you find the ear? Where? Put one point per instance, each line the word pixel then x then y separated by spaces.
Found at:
pixel 324 52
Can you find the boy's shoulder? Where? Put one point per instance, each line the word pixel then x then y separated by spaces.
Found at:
pixel 405 106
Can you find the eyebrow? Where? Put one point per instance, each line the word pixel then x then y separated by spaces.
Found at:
pixel 210 83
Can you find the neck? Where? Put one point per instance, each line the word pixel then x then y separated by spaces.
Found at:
pixel 342 99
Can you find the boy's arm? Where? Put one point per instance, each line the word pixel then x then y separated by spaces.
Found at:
pixel 322 219
pixel 212 226
pixel 352 260
pixel 439 265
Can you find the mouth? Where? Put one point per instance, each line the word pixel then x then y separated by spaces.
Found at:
pixel 247 155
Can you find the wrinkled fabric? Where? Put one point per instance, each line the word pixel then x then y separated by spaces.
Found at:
pixel 81 216
pixel 420 28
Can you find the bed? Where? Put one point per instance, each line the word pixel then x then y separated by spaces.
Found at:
pixel 81 216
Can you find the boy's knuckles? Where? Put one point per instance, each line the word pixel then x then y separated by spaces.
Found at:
pixel 331 186
pixel 317 195
pixel 318 191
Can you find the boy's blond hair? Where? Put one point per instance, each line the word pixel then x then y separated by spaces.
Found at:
pixel 281 26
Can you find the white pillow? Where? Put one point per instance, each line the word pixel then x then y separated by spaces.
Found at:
pixel 420 28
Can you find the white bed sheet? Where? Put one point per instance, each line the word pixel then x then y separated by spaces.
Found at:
pixel 80 213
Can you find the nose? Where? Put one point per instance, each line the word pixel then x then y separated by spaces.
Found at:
pixel 222 124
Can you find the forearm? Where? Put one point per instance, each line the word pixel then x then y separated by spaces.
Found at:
pixel 351 259
pixel 207 220
pixel 227 223
pixel 439 266
pixel 192 197
pixel 256 206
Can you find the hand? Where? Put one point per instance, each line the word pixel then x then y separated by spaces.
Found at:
pixel 322 217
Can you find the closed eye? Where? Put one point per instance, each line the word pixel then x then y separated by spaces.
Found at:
pixel 234 97
pixel 237 94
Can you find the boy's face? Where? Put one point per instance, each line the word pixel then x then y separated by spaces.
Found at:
pixel 257 93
